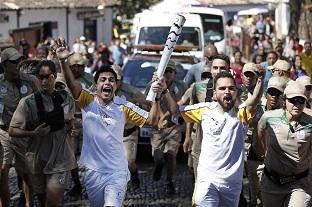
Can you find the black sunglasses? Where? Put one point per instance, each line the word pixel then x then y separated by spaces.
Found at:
pixel 297 100
pixel 169 71
pixel 308 88
pixel 15 61
pixel 274 92
pixel 41 77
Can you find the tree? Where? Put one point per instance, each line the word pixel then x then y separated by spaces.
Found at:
pixel 129 8
pixel 301 18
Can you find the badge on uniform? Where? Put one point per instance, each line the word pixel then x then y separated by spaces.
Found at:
pixel 300 135
pixel 3 89
pixel 23 89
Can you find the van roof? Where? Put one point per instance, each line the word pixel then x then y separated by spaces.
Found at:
pixel 202 10
pixel 165 19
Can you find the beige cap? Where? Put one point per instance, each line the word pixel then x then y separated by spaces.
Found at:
pixel 76 59
pixel 294 89
pixel 304 80
pixel 10 54
pixel 281 65
pixel 117 70
pixel 278 83
pixel 171 65
pixel 250 67
pixel 206 68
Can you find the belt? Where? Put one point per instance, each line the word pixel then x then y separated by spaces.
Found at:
pixel 128 132
pixel 78 115
pixel 4 128
pixel 284 179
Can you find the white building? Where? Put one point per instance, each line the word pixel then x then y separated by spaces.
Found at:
pixel 68 18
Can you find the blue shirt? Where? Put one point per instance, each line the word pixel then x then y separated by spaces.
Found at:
pixel 268 74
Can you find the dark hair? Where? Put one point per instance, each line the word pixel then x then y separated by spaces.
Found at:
pixel 272 52
pixel 237 51
pixel 307 42
pixel 47 63
pixel 103 69
pixel 222 57
pixel 223 74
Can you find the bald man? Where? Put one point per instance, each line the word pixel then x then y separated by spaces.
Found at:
pixel 194 74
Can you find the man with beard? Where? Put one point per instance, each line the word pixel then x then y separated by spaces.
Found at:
pixel 221 161
pixel 104 117
pixel 204 92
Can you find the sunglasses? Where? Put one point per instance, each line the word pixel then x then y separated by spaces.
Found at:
pixel 308 88
pixel 48 76
pixel 169 71
pixel 297 100
pixel 274 92
pixel 15 62
pixel 249 74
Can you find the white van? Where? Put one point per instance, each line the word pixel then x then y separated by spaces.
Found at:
pixel 213 25
pixel 152 28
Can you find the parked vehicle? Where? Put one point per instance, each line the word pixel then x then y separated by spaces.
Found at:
pixel 139 69
pixel 153 28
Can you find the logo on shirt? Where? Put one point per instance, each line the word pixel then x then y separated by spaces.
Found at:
pixel 23 89
pixel 107 119
pixel 3 89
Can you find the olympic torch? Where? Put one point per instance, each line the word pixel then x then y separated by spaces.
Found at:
pixel 172 39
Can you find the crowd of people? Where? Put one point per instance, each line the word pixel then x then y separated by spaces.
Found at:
pixel 251 118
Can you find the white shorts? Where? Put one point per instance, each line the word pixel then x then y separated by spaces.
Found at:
pixel 106 189
pixel 209 194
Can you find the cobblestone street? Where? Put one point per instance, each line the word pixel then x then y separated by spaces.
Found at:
pixel 150 193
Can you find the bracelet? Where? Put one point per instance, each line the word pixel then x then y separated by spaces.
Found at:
pixel 165 91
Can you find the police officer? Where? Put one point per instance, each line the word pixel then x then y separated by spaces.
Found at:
pixel 166 139
pixel 307 83
pixel 286 135
pixel 14 85
pixel 44 117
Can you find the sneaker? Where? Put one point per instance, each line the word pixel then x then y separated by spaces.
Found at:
pixel 135 181
pixel 157 172
pixel 74 191
pixel 170 187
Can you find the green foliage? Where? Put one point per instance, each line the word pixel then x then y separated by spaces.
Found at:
pixel 129 8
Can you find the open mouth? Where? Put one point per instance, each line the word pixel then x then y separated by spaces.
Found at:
pixel 107 90
pixel 228 98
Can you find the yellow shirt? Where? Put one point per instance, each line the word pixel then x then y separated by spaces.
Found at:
pixel 307 63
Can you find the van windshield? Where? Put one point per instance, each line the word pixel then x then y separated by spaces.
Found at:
pixel 190 36
pixel 213 27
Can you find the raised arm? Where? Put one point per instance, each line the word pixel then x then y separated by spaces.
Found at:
pixel 153 116
pixel 253 100
pixel 61 51
pixel 262 134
